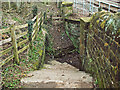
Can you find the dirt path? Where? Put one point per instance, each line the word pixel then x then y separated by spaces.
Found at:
pixel 57 75
pixel 60 39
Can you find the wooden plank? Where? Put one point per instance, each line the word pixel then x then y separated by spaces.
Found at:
pixel 23 49
pixel 21 34
pixel 35 29
pixel 56 18
pixel 5 41
pixel 72 20
pixel 36 23
pixel 9 39
pixel 4 30
pixel 5 51
pixel 14 43
pixel 86 19
pixel 16 27
pixel 27 14
pixel 34 32
pixel 36 16
pixel 20 26
pixel 57 21
pixel 24 41
pixel 6 60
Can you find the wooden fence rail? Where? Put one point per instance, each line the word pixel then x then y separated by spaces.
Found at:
pixel 15 39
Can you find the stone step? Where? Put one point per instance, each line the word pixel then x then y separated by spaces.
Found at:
pixel 57 75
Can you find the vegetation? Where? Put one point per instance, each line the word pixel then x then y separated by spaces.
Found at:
pixel 98 48
pixel 13 73
pixel 37 52
pixel 49 43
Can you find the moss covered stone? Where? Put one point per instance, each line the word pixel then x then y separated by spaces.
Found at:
pixel 67 8
pixel 66 4
pixel 108 23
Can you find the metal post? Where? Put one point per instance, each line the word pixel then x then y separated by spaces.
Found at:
pixel 99 3
pixel 109 8
pixel 35 10
pixel 90 5
pixel 40 23
pixel 118 11
pixel 60 2
pixel 44 17
pixel 76 6
pixel 51 18
pixel 1 13
pixel 30 30
pixel 74 3
pixel 83 7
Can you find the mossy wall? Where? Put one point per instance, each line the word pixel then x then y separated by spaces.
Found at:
pixel 73 32
pixel 67 8
pixel 98 41
pixel 100 48
pixel 108 23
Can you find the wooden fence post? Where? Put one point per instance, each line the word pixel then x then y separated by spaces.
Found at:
pixel 35 10
pixel 37 27
pixel 40 23
pixel 51 18
pixel 59 4
pixel 45 17
pixel 14 43
pixel 30 30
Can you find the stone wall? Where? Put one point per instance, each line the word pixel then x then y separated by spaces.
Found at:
pixel 100 48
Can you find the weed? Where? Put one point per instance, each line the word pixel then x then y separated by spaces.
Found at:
pixel 16 19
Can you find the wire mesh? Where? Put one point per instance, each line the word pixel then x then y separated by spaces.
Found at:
pixel 84 7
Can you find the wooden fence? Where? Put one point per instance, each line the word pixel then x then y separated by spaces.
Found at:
pixel 19 39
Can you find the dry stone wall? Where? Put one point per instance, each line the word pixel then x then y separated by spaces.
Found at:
pixel 100 48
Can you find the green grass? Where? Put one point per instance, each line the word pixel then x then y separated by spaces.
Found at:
pixel 16 19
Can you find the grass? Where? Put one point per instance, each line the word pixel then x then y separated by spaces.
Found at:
pixel 16 19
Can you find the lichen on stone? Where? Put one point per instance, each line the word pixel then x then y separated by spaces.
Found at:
pixel 107 22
